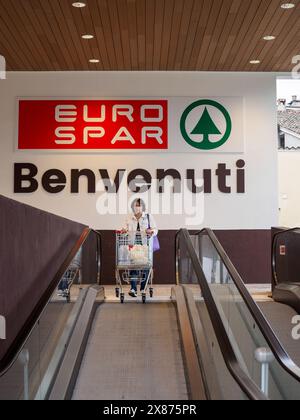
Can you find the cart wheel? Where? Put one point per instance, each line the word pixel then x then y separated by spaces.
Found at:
pixel 144 297
pixel 68 298
pixel 151 292
pixel 117 292
pixel 122 297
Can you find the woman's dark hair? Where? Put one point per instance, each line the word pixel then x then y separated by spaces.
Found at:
pixel 139 202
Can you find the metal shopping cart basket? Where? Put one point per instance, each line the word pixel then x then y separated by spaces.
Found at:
pixel 64 288
pixel 71 276
pixel 134 262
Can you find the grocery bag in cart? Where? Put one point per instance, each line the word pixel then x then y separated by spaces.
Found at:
pixel 139 254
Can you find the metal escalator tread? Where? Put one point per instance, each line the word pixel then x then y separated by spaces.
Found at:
pixel 133 353
pixel 280 318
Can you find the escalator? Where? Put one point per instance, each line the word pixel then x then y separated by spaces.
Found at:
pixel 130 352
pixel 206 342
pixel 88 349
pixel 263 346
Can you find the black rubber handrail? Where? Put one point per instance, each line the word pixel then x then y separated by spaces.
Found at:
pixel 17 345
pixel 271 338
pixel 274 253
pixel 246 384
pixel 99 256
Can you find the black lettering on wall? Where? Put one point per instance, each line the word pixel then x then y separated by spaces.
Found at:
pixel 207 181
pixel 139 180
pixel 29 177
pixel 54 181
pixel 240 177
pixel 222 173
pixel 75 177
pixel 137 177
pixel 173 173
pixel 109 187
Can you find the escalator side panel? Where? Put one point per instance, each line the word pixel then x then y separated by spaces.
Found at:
pixel 63 386
pixel 244 335
pixel 280 317
pixel 194 376
pixel 224 381
pixel 203 348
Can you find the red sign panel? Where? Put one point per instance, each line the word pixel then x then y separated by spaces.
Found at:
pixel 93 124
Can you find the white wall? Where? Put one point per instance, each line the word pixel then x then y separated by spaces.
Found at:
pixel 289 188
pixel 257 209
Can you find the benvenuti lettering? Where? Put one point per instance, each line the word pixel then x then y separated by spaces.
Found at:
pixel 28 179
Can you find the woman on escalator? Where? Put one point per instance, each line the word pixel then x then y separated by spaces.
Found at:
pixel 143 223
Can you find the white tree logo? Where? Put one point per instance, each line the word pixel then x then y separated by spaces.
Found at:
pixel 2 68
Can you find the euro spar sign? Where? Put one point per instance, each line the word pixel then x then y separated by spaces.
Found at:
pixel 92 124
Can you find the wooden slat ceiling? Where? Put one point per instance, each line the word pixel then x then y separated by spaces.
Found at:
pixel 212 35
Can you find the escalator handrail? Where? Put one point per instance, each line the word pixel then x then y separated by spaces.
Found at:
pixel 274 243
pixel 17 345
pixel 267 331
pixel 246 384
pixel 99 255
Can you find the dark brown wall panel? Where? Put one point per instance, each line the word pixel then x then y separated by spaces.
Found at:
pixel 33 245
pixel 249 250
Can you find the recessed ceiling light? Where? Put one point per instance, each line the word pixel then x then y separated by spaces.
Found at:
pixel 87 36
pixel 287 5
pixel 269 38
pixel 94 61
pixel 79 4
pixel 255 62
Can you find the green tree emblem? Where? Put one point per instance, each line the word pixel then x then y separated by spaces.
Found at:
pixel 206 127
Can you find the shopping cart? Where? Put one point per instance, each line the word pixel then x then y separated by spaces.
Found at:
pixel 70 277
pixel 64 288
pixel 134 262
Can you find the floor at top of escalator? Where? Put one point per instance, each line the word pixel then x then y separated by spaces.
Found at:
pixel 162 293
